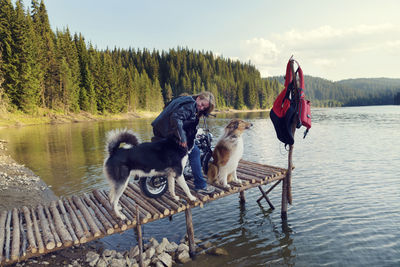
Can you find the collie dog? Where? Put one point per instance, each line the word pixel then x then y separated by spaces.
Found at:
pixel 227 153
pixel 127 157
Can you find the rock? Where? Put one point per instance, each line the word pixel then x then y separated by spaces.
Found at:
pixel 159 264
pixel 218 252
pixel 183 247
pixel 101 263
pixel 133 252
pixel 150 253
pixel 146 262
pixel 118 263
pixel 182 256
pixel 129 261
pixel 118 255
pixel 109 253
pixel 92 258
pixel 161 247
pixel 171 247
pixel 154 243
pixel 165 258
pixel 206 245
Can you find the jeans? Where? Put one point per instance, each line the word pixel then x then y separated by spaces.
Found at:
pixel 195 164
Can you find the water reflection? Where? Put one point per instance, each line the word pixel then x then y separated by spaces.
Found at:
pixel 346 202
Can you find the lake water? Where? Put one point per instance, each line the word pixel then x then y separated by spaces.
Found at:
pixel 346 188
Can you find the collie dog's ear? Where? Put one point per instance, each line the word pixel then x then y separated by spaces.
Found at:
pixel 234 124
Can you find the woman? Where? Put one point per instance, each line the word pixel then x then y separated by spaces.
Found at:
pixel 178 121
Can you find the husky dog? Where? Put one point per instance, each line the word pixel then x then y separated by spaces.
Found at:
pixel 127 157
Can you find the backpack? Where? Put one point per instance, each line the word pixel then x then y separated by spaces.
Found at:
pixel 286 108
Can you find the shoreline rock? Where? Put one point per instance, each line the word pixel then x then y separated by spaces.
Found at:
pixel 19 186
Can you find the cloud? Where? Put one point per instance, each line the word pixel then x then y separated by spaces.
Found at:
pixel 322 48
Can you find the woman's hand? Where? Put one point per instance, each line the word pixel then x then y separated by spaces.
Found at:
pixel 183 144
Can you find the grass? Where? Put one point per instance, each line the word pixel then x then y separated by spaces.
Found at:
pixel 45 116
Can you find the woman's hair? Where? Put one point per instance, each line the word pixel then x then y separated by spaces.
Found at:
pixel 211 99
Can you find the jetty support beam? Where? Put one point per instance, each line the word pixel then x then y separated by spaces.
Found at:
pixel 190 232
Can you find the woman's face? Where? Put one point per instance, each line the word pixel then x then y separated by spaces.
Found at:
pixel 202 104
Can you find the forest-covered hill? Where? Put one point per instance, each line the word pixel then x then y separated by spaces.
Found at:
pixel 351 92
pixel 57 70
pixel 40 68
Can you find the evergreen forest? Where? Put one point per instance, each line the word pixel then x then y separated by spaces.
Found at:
pixel 60 71
pixel 57 70
pixel 351 92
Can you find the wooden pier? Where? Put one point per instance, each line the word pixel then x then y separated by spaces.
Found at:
pixel 32 231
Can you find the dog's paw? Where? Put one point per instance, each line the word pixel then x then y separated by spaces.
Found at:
pixel 192 198
pixel 119 207
pixel 239 181
pixel 227 186
pixel 120 215
pixel 176 197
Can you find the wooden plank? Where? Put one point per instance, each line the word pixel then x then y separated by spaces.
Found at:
pixel 48 237
pixel 15 246
pixel 3 218
pixel 37 232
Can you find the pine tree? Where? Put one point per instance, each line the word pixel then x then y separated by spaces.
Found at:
pixel 9 66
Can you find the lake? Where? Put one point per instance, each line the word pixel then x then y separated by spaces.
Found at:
pixel 346 188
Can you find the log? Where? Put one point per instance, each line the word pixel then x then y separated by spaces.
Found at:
pixel 93 227
pixel 202 197
pixel 52 227
pixel 181 194
pixel 133 196
pixel 77 225
pixel 269 190
pixel 130 204
pixel 62 231
pixel 190 232
pixel 172 204
pixel 242 197
pixel 106 204
pixel 80 218
pixel 140 238
pixel 3 218
pixel 15 236
pixel 37 232
pixel 23 236
pixel 48 238
pixel 104 211
pixel 153 202
pixel 182 204
pixel 143 216
pixel 266 197
pixel 104 198
pixel 93 217
pixel 101 217
pixel 68 222
pixel 8 237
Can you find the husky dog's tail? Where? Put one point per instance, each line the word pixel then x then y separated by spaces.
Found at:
pixel 116 137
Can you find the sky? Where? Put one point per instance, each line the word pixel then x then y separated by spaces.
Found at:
pixel 334 40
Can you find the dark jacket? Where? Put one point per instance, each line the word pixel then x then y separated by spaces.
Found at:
pixel 178 120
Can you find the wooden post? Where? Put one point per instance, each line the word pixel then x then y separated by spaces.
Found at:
pixel 242 197
pixel 190 232
pixel 264 195
pixel 139 237
pixel 286 185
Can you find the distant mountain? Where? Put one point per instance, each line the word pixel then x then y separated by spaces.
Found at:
pixel 350 92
